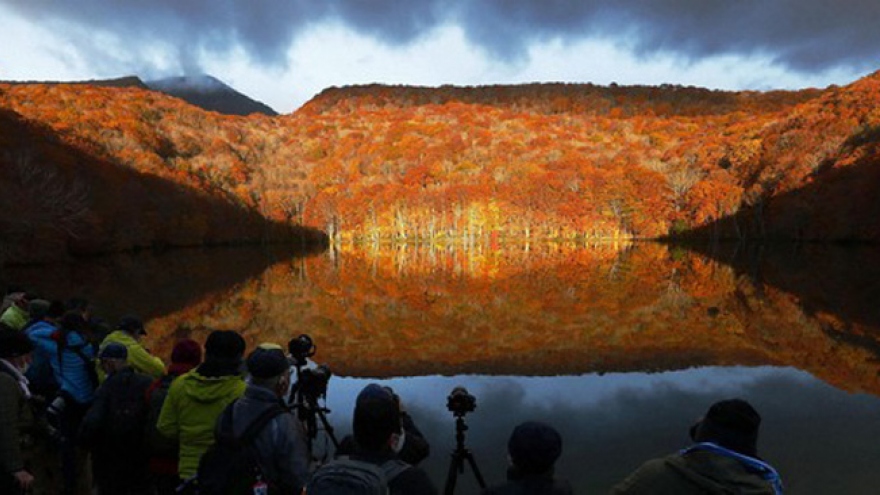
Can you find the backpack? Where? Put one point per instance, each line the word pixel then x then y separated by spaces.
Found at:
pixel 345 476
pixel 230 466
pixel 127 411
pixel 118 415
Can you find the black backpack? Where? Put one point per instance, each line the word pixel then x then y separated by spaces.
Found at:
pixel 127 411
pixel 345 476
pixel 230 466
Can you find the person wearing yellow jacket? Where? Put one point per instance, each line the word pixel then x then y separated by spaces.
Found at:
pixel 196 399
pixel 129 332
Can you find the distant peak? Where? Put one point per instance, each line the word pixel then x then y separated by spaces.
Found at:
pixel 210 93
pixel 203 82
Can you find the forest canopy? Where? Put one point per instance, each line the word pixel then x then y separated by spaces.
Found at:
pixel 450 164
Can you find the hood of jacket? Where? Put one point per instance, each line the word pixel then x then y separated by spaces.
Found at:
pixel 718 474
pixel 208 389
pixel 41 330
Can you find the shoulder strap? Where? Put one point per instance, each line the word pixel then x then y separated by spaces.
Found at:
pixel 392 468
pixel 78 350
pixel 62 345
pixel 254 428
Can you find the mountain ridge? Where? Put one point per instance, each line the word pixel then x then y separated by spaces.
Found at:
pixel 528 162
pixel 204 91
pixel 210 93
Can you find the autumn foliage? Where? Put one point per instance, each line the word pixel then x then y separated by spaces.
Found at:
pixel 474 165
pixel 545 309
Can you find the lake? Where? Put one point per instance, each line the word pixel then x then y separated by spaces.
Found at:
pixel 620 346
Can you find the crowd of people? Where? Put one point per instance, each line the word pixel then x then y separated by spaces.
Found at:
pixel 86 408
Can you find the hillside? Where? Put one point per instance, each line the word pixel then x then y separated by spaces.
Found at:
pixel 211 94
pixel 65 198
pixel 542 161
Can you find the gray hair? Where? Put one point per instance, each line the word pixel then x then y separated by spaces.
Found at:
pixel 270 383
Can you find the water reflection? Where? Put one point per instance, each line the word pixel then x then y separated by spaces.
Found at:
pixel 554 310
pixel 559 332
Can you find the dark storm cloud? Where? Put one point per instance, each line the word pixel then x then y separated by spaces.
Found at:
pixel 805 35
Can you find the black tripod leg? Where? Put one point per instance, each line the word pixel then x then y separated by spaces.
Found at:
pixel 454 467
pixel 328 428
pixel 477 474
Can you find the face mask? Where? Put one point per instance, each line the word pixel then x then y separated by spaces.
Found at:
pixel 399 441
pixel 23 364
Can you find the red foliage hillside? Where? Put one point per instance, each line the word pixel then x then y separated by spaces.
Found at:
pixel 63 198
pixel 378 163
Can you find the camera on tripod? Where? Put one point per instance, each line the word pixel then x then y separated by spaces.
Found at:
pixel 301 348
pixel 310 387
pixel 460 402
pixel 313 381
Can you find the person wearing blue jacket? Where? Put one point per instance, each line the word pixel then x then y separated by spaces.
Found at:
pixel 71 357
pixel 40 374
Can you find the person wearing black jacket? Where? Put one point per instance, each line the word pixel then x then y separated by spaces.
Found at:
pixel 410 444
pixel 376 425
pixel 114 428
pixel 533 449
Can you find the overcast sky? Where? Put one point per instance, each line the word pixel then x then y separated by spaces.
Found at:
pixel 284 52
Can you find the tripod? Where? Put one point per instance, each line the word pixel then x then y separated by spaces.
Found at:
pixel 308 410
pixel 459 455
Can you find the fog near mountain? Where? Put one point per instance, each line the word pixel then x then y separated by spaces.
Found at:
pixel 210 93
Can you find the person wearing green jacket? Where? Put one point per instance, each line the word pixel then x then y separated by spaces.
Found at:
pixel 723 460
pixel 16 315
pixel 196 399
pixel 129 332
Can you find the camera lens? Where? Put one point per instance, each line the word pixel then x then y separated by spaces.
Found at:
pixel 460 402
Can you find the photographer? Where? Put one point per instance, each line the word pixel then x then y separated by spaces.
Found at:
pixel 259 423
pixel 533 449
pixel 723 459
pixel 375 424
pixel 409 443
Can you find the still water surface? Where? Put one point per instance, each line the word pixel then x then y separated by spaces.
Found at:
pixel 620 347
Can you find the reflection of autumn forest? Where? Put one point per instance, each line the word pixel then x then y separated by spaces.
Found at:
pixel 446 165
pixel 547 309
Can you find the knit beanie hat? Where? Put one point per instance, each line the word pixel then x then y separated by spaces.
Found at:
pixel 534 447
pixel 187 351
pixel 186 355
pixel 733 424
pixel 224 345
pixel 376 417
pixel 38 308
